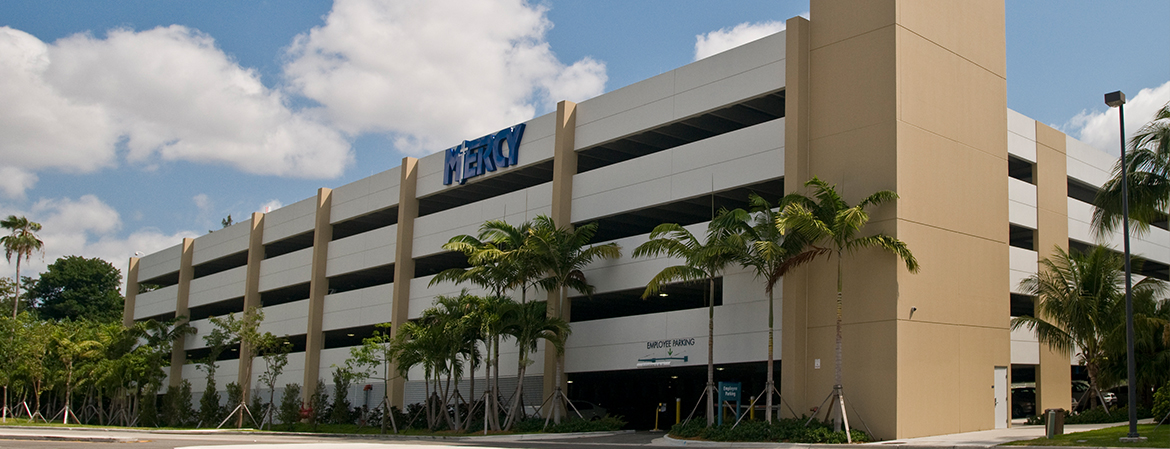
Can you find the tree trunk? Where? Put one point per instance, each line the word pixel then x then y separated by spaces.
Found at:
pixel 511 419
pixel 768 387
pixel 428 403
pixel 558 409
pixel 16 299
pixel 492 406
pixel 837 373
pixel 68 392
pixel 711 353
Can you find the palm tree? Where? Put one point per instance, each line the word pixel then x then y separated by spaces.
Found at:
pixel 494 313
pixel 1082 306
pixel 497 258
pixel 768 252
pixel 702 260
pixel 1148 167
pixel 418 344
pixel 562 253
pixel 529 323
pixel 829 219
pixel 22 242
pixel 74 341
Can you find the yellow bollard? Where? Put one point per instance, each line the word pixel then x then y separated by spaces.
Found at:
pixel 677 410
pixel 658 411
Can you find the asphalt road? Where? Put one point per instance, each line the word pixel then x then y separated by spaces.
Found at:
pixel 22 438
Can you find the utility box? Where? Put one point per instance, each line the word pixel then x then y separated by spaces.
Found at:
pixel 1053 422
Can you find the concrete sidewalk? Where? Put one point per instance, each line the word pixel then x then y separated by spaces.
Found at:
pixel 980 439
pixel 988 438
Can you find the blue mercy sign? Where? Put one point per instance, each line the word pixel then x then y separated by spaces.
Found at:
pixel 488 153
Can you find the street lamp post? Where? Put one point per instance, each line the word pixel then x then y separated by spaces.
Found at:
pixel 1117 100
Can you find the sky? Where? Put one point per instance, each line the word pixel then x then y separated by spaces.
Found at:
pixel 127 125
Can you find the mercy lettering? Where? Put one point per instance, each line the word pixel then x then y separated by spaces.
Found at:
pixel 485 154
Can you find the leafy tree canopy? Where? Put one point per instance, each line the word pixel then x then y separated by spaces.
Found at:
pixel 79 288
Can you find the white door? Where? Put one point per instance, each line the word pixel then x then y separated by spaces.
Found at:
pixel 1000 387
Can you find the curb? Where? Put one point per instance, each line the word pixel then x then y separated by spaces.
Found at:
pixel 247 431
pixel 62 438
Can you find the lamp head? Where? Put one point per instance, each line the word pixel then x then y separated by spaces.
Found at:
pixel 1115 99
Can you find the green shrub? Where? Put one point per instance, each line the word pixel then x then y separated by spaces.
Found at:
pixel 290 406
pixel 784 430
pixel 148 415
pixel 317 404
pixel 177 409
pixel 210 412
pixel 341 411
pixel 1162 402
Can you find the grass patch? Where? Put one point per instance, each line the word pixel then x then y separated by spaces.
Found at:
pixel 787 430
pixel 39 423
pixel 1104 438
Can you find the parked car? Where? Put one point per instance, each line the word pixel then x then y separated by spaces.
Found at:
pixel 589 411
pixel 1110 398
pixel 1023 402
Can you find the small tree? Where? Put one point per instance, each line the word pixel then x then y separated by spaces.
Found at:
pixel 245 331
pixel 290 406
pixel 317 404
pixel 177 410
pixel 217 341
pixel 210 410
pixel 341 409
pixel 235 396
pixel 372 361
pixel 274 351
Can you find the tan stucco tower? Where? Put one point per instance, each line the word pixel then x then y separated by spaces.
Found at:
pixel 908 96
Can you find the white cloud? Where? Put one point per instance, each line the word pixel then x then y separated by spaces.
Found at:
pixel 433 73
pixel 727 38
pixel 85 227
pixel 14 181
pixel 203 202
pixel 167 93
pixel 1101 130
pixel 39 127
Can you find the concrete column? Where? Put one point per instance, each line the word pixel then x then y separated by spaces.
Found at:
pixel 795 364
pixel 131 293
pixel 251 296
pixel 564 168
pixel 1053 374
pixel 403 265
pixel 318 288
pixel 186 273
